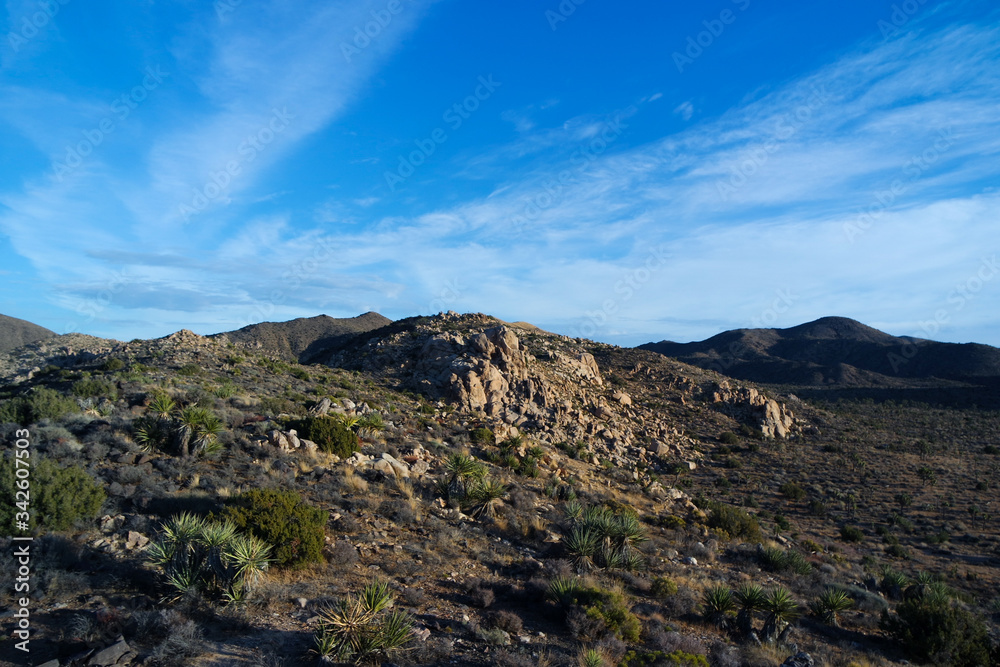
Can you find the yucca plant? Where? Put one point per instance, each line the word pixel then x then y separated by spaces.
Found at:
pixel 574 511
pixel 893 583
pixel 582 545
pixel 358 630
pixel 832 602
pixel 717 606
pixel 162 406
pixel 564 590
pixel 781 609
pixel 590 658
pixel 196 554
pixel 918 586
pixel 485 496
pixel 750 599
pixel 206 434
pixel 462 470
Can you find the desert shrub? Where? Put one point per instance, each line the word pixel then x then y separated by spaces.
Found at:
pixel 729 438
pixel 851 534
pixel 332 435
pixel 482 436
pixel 40 403
pixel 507 621
pixel 361 629
pixel 733 522
pixel 94 387
pixel 592 611
pixel 663 587
pixel 59 496
pixel 792 490
pixel 276 405
pixel 935 629
pixel 283 519
pixel 189 370
pixel 113 364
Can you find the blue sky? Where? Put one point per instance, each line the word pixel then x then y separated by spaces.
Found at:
pixel 625 172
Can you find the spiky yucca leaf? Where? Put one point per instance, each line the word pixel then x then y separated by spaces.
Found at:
pixel 717 603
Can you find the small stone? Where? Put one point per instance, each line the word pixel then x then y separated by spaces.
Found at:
pixel 690 560
pixel 302 602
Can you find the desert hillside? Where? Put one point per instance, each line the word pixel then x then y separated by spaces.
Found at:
pixel 461 490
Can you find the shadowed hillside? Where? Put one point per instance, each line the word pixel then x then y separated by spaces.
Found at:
pixel 304 338
pixel 14 333
pixel 834 351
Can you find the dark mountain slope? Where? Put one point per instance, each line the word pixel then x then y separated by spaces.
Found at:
pixel 304 338
pixel 14 333
pixel 833 350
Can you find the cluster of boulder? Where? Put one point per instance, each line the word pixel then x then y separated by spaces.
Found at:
pixel 749 405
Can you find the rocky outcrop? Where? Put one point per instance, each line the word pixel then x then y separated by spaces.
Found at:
pixel 489 372
pixel 748 405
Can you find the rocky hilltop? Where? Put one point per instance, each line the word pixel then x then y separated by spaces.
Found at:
pixel 524 379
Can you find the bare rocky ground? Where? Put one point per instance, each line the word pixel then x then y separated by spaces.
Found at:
pixel 583 422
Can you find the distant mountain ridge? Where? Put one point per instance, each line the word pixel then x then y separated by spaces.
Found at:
pixel 833 351
pixel 14 333
pixel 304 338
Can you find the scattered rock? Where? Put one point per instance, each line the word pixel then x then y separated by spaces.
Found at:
pixel 800 659
pixel 116 654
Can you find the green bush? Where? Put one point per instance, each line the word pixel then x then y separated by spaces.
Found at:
pixel 663 587
pixel 113 364
pixel 776 560
pixel 729 438
pixel 934 629
pixel 851 534
pixel 482 436
pixel 733 522
pixel 94 387
pixel 41 403
pixel 330 434
pixel 792 490
pixel 283 519
pixel 58 497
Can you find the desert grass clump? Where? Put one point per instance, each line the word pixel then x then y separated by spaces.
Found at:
pixel 361 629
